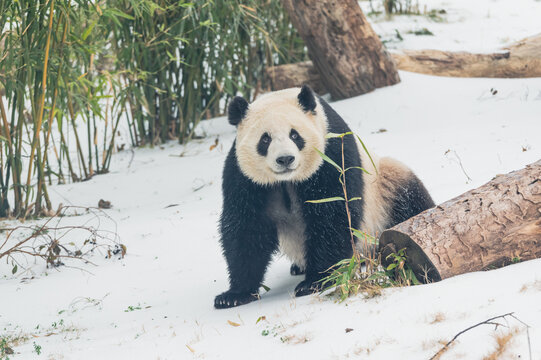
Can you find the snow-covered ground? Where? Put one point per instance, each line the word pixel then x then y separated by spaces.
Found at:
pixel 157 302
pixel 458 25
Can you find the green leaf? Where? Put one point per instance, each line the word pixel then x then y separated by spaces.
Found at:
pixel 412 277
pixel 89 29
pixel 364 236
pixel 367 153
pixel 355 198
pixel 331 199
pixel 358 167
pixel 14 270
pixel 351 265
pixel 207 23
pixel 334 135
pixel 329 160
pixel 119 13
pixel 267 289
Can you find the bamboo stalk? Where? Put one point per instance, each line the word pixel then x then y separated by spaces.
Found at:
pixel 75 132
pixel 42 102
pixel 50 125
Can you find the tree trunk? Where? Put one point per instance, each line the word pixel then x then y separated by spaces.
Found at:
pixel 488 227
pixel 346 52
pixel 520 60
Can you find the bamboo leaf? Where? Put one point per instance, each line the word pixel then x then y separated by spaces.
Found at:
pixel 355 198
pixel 367 153
pixel 359 168
pixel 88 30
pixel 364 236
pixel 329 160
pixel 331 135
pixel 337 198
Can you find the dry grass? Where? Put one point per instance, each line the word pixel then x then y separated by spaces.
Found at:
pixel 56 241
pixel 367 349
pixel 444 349
pixel 296 339
pixel 503 343
pixel 12 339
pixel 534 285
pixel 432 344
pixel 437 318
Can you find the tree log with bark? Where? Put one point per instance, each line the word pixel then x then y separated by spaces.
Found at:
pixel 488 227
pixel 345 50
pixel 519 60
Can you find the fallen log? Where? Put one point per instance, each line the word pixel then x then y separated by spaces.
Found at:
pixel 295 75
pixel 347 53
pixel 494 225
pixel 519 60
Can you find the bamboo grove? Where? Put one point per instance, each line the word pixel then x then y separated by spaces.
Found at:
pixel 73 71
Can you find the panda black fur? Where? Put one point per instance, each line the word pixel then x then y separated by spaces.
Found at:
pixel 266 186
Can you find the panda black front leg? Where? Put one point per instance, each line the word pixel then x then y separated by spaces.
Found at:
pixel 248 254
pixel 248 248
pixel 248 236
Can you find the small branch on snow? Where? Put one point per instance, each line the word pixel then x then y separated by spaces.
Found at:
pixel 486 322
pixel 459 163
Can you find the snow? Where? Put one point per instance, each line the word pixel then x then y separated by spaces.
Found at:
pixel 157 302
pixel 475 26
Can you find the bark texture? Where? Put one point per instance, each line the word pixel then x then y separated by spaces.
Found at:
pixel 295 75
pixel 344 48
pixel 488 227
pixel 520 60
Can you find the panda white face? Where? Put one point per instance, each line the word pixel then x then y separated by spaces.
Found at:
pixel 277 138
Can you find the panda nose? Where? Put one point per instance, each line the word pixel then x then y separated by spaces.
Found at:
pixel 285 160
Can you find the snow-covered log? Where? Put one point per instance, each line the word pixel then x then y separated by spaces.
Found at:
pixel 345 50
pixel 520 60
pixel 488 227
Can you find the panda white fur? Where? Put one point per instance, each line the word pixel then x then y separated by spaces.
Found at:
pixel 273 168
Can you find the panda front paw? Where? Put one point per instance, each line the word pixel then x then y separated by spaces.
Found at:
pixel 230 299
pixel 296 269
pixel 307 287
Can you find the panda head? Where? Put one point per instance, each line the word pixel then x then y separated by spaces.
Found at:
pixel 278 134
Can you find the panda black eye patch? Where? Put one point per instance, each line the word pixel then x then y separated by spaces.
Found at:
pixel 263 144
pixel 297 139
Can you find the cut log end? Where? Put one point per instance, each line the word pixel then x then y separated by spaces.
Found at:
pixel 392 241
pixel 488 227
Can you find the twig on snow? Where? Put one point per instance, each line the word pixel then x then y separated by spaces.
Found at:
pixel 486 322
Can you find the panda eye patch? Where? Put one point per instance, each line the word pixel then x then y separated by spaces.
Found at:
pixel 297 139
pixel 294 135
pixel 263 144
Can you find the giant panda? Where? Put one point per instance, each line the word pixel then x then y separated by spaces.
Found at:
pixel 273 169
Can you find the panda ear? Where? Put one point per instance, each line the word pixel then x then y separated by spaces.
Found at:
pixel 307 100
pixel 237 110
